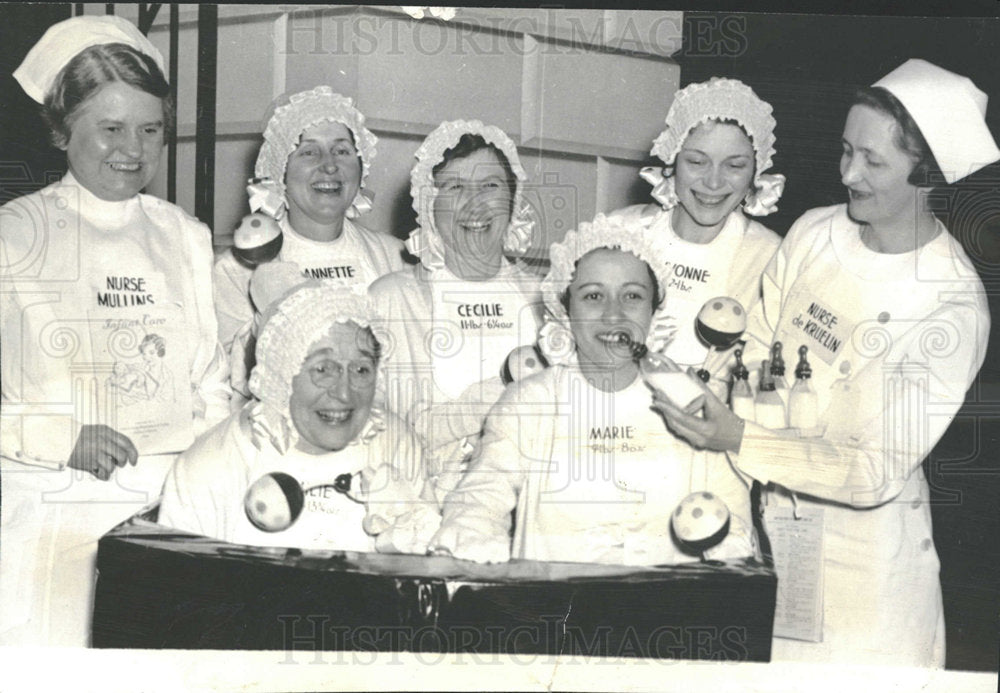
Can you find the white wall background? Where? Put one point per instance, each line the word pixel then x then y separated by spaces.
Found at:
pixel 583 92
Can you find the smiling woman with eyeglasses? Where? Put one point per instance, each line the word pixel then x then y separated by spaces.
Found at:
pixel 314 419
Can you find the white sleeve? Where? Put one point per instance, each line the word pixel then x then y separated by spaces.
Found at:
pixel 31 432
pixel 763 315
pixel 870 463
pixel 481 505
pixel 210 369
pixel 198 490
pixel 214 393
pixel 399 505
pixel 231 290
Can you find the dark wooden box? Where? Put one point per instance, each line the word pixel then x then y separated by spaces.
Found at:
pixel 159 588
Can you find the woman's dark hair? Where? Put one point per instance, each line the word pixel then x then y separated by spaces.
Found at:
pixel 157 341
pixel 372 343
pixel 469 143
pixel 657 301
pixel 90 70
pixel 908 136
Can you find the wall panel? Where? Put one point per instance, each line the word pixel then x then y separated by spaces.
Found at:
pixel 583 92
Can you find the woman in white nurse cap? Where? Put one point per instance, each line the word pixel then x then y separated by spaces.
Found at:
pixel 896 323
pixel 110 262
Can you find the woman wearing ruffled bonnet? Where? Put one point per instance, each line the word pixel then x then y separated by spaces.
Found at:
pixel 310 175
pixel 897 324
pixel 108 258
pixel 589 411
pixel 456 316
pixel 315 417
pixel 716 149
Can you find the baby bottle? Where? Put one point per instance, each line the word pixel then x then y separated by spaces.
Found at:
pixel 741 399
pixel 667 378
pixel 802 403
pixel 769 410
pixel 778 372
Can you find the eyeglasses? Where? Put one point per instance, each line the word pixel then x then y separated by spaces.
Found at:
pixel 328 373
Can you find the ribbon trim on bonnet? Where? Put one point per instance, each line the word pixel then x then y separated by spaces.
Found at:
pixel 556 338
pixel 282 134
pixel 718 99
pixel 425 242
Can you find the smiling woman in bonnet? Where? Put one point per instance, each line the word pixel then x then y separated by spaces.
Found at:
pixel 456 316
pixel 310 178
pixel 717 150
pixel 592 473
pixel 315 415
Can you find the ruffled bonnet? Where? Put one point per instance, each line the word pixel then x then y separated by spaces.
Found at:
pixel 292 323
pixel 718 99
pixel 555 338
pixel 291 117
pixel 425 241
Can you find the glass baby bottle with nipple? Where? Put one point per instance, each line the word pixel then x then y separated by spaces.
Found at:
pixel 778 373
pixel 663 375
pixel 769 410
pixel 741 398
pixel 802 404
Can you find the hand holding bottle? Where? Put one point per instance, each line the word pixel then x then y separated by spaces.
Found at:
pixel 717 429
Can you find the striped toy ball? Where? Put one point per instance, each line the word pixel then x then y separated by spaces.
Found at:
pixel 274 502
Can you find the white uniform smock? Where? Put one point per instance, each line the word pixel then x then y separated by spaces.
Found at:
pixel 72 264
pixel 594 476
pixel 895 341
pixel 204 490
pixel 449 341
pixel 357 257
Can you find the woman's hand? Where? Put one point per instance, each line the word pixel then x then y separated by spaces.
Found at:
pixel 720 429
pixel 100 449
pixel 461 542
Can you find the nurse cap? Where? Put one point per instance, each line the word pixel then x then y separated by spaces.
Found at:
pixel 65 40
pixel 950 112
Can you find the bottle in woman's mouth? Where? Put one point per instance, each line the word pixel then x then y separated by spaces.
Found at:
pixel 623 339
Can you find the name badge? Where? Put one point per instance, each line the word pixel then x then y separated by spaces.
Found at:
pixel 347 271
pixel 824 330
